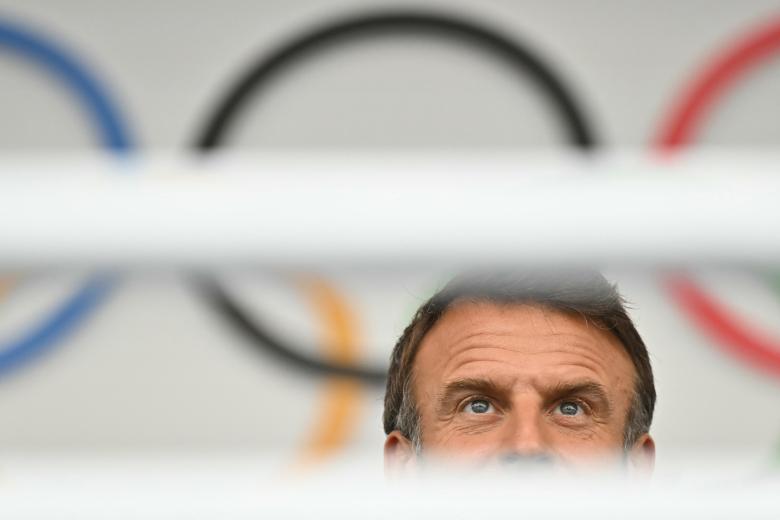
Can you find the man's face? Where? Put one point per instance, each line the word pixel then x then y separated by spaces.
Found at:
pixel 496 383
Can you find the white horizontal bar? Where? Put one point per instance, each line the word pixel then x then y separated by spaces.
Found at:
pixel 454 212
pixel 244 486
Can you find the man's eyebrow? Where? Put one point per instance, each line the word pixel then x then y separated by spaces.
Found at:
pixel 453 391
pixel 591 390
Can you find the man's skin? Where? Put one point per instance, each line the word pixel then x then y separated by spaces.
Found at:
pixel 496 383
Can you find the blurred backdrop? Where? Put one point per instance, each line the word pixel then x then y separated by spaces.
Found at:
pixel 153 362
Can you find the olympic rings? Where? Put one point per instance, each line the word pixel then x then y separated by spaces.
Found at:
pixel 680 128
pixel 112 130
pixel 576 128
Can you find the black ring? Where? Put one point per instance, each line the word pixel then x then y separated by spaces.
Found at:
pixel 518 57
pixel 265 340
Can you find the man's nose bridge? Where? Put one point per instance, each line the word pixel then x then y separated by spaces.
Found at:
pixel 525 432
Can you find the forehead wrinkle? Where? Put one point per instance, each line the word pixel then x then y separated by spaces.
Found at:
pixel 595 370
pixel 514 328
pixel 577 338
pixel 595 353
pixel 588 335
pixel 576 355
pixel 453 349
pixel 523 343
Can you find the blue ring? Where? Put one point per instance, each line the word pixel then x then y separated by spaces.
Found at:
pixel 112 131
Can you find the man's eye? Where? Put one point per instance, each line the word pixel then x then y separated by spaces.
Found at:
pixel 569 408
pixel 479 406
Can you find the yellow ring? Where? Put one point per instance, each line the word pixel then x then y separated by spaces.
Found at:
pixel 5 285
pixel 340 401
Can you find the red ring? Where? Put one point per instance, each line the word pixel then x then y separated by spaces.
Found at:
pixel 724 71
pixel 735 336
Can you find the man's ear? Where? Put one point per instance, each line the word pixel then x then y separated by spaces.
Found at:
pixel 400 455
pixel 641 456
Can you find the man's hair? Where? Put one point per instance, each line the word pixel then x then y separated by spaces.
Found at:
pixel 587 294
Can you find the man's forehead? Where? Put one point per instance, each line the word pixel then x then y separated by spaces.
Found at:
pixel 469 331
pixel 473 319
